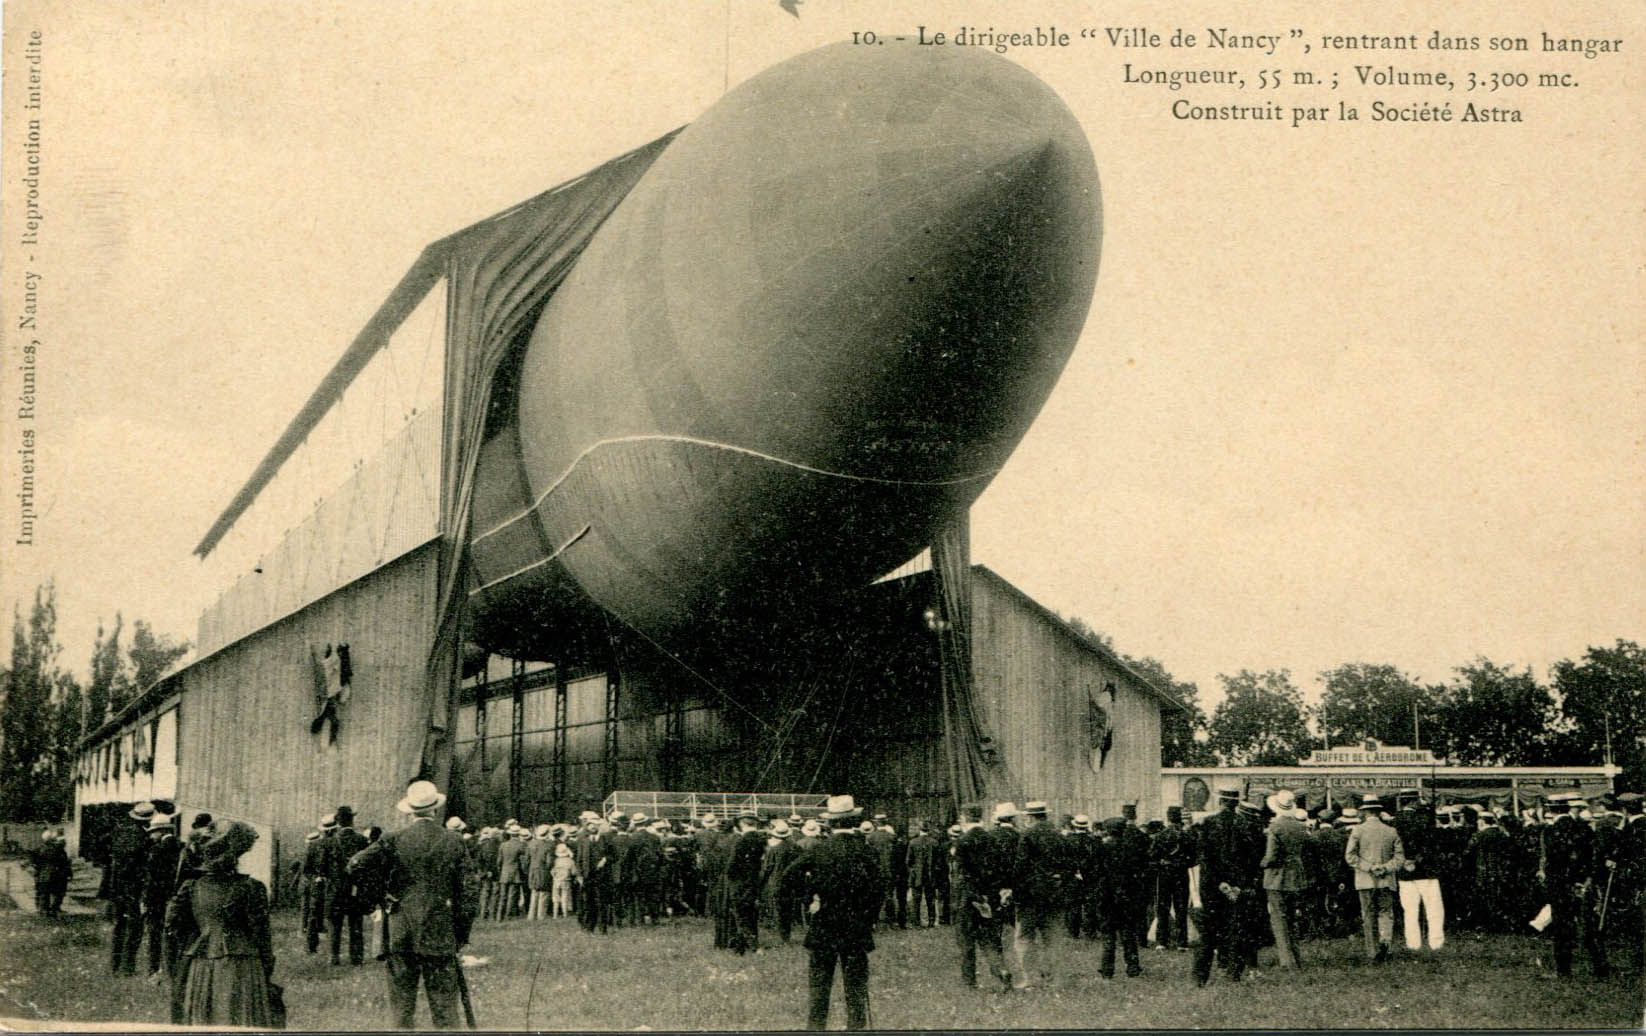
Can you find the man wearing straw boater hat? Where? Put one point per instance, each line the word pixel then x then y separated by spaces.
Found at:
pixel 839 879
pixel 1286 874
pixel 1375 852
pixel 315 857
pixel 128 853
pixel 1037 884
pixel 421 867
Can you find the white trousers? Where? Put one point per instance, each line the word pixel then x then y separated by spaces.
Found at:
pixel 1427 892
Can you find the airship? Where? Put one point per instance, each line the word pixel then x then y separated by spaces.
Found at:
pixel 813 332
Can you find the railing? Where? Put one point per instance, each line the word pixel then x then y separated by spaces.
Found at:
pixel 685 805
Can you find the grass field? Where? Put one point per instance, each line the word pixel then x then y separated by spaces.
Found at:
pixel 554 976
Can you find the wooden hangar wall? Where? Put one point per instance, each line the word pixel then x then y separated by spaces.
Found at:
pixel 235 726
pixel 856 709
pixel 247 749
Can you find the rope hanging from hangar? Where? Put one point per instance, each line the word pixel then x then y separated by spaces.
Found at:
pixel 974 759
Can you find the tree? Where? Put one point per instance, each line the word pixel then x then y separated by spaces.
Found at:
pixel 1261 720
pixel 1181 733
pixel 151 655
pixel 1603 698
pixel 108 677
pixel 1102 640
pixel 1493 716
pixel 1364 700
pixel 54 786
pixel 117 680
pixel 25 715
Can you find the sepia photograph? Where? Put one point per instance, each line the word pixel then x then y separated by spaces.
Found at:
pixel 708 515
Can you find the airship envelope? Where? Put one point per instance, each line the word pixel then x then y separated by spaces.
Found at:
pixel 815 329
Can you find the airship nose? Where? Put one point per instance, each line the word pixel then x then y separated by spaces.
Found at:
pixel 864 261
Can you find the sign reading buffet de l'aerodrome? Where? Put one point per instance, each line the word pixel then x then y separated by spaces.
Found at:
pixel 1370 752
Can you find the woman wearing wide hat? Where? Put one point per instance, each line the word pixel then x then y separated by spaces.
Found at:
pixel 220 922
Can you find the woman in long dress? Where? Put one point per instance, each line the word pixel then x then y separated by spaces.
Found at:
pixel 220 922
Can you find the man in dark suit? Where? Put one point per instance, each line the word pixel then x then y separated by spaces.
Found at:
pixel 1003 839
pixel 342 905
pixel 1567 869
pixel 840 880
pixel 159 882
pixel 881 839
pixel 600 880
pixel 431 911
pixel 781 852
pixel 128 853
pixel 743 883
pixel 646 871
pixel 1037 889
pixel 979 874
pixel 1122 889
pixel 922 854
pixel 1171 853
pixel 1221 851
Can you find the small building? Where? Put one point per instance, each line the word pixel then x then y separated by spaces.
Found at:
pixel 1342 776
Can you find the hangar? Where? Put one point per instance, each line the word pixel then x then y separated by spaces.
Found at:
pixel 622 486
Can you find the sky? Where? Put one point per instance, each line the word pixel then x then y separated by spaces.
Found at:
pixel 1347 392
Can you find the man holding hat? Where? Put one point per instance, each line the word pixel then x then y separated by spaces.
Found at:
pixel 421 868
pixel 1375 853
pixel 840 881
pixel 979 874
pixel 128 855
pixel 1222 847
pixel 1567 872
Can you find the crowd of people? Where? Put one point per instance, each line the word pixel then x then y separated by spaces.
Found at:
pixel 1253 873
